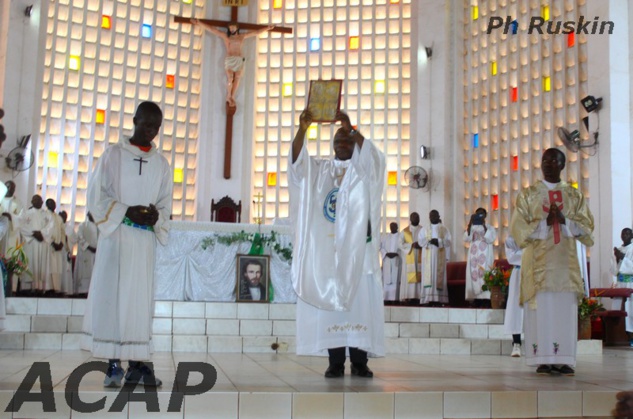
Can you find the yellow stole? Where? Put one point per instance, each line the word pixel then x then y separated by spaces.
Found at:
pixel 413 273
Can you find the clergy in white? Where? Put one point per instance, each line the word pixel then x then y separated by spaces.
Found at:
pixel 548 219
pixel 55 236
pixel 32 223
pixel 11 208
pixel 87 236
pixel 129 197
pixel 435 241
pixel 513 320
pixel 4 230
pixel 622 271
pixel 335 267
pixel 70 239
pixel 480 254
pixel 392 249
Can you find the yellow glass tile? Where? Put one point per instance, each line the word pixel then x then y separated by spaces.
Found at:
pixel 545 11
pixel 547 84
pixel 178 175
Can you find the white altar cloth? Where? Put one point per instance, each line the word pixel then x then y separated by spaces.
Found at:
pixel 185 272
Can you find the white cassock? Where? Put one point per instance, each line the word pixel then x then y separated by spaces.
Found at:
pixel 5 228
pixel 67 275
pixel 392 267
pixel 118 316
pixel 433 263
pixel 32 220
pixel 623 278
pixel 480 259
pixel 87 236
pixel 54 233
pixel 513 321
pixel 14 207
pixel 335 265
pixel 410 287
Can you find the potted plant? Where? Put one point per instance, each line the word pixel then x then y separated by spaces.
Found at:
pixel 14 262
pixel 496 281
pixel 587 309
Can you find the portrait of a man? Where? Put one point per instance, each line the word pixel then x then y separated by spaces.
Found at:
pixel 252 278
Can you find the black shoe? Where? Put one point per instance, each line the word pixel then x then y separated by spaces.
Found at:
pixel 139 373
pixel 565 370
pixel 362 370
pixel 335 371
pixel 544 370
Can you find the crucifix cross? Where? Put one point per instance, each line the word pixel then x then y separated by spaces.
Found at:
pixel 140 164
pixel 233 65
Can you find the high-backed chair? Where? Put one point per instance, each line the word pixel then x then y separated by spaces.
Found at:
pixel 226 210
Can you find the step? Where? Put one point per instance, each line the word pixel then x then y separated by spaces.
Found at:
pixel 49 323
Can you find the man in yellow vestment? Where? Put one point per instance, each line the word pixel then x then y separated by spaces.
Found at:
pixel 410 287
pixel 548 219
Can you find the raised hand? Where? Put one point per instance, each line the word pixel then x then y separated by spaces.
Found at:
pixel 344 119
pixel 305 120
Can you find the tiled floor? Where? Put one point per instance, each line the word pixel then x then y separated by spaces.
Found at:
pixel 281 386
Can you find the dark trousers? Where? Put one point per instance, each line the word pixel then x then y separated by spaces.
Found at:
pixel 356 356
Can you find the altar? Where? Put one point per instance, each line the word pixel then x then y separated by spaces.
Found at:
pixel 187 272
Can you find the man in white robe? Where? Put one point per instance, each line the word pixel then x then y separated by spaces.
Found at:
pixel 435 242
pixel 410 289
pixel 392 249
pixel 335 266
pixel 55 236
pixel 70 239
pixel 32 223
pixel 548 219
pixel 480 257
pixel 4 230
pixel 11 207
pixel 513 320
pixel 87 238
pixel 129 196
pixel 622 271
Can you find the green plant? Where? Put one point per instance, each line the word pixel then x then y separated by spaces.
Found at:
pixel 496 277
pixel 15 261
pixel 588 307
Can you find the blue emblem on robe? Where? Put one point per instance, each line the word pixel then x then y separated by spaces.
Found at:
pixel 329 206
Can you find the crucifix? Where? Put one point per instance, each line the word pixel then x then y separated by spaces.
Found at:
pixel 140 164
pixel 233 63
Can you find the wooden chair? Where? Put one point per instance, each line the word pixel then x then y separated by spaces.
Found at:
pixel 226 211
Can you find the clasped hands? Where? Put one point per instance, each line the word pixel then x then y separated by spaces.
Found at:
pixel 555 215
pixel 142 215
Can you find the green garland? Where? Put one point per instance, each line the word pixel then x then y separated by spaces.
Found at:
pixel 266 239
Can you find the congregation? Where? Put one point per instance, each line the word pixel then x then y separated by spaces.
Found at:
pixel 47 241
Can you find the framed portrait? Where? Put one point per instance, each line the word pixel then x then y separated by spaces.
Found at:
pixel 252 278
pixel 324 99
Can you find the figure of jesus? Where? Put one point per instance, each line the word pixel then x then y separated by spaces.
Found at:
pixel 234 61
